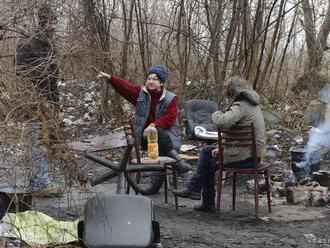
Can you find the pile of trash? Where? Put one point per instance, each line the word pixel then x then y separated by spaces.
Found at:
pixel 79 102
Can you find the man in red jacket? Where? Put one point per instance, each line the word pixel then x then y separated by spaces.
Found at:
pixel 154 107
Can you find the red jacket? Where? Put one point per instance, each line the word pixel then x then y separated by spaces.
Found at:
pixel 131 92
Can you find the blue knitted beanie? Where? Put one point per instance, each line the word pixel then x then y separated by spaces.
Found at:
pixel 159 71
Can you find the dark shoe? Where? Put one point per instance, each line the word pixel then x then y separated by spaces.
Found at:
pixel 181 167
pixel 205 208
pixel 187 193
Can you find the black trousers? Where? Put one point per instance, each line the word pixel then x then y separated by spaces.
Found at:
pixel 165 144
pixel 204 177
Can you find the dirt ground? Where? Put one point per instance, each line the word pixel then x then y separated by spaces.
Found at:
pixel 186 228
pixel 286 226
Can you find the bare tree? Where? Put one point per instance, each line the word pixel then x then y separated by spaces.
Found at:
pixel 252 28
pixel 99 22
pixel 282 57
pixel 214 15
pixel 183 46
pixel 142 33
pixel 263 46
pixel 233 28
pixel 316 41
pixel 200 41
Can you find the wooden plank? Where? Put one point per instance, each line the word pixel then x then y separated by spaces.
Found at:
pixel 15 175
pixel 161 159
pixel 98 143
pixel 188 157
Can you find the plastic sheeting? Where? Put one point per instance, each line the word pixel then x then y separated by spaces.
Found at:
pixel 37 228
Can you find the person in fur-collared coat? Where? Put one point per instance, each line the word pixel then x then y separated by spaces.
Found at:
pixel 244 109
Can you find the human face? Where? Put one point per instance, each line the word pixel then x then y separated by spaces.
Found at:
pixel 153 82
pixel 50 26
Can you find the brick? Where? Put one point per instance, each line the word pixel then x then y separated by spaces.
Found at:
pixel 297 194
pixel 313 195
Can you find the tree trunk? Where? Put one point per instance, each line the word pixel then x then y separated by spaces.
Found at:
pixel 99 26
pixel 230 38
pixel 271 50
pixel 251 33
pixel 142 34
pixel 316 43
pixel 183 48
pixel 214 14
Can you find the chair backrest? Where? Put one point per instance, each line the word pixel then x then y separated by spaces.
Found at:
pixel 199 113
pixel 238 136
pixel 128 129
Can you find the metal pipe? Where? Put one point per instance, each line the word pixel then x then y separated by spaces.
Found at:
pixel 144 168
pixel 103 178
pixel 120 183
pixel 109 164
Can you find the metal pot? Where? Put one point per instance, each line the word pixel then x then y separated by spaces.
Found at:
pixel 298 153
pixel 322 177
pixel 300 167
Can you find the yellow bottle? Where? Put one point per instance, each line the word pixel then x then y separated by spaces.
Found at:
pixel 152 143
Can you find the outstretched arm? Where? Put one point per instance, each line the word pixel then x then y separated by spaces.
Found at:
pixel 126 89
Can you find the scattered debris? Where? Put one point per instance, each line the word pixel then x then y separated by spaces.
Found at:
pixel 37 228
pixel 322 177
pixel 185 148
pixel 310 194
pixel 310 237
pixel 262 186
pixel 265 219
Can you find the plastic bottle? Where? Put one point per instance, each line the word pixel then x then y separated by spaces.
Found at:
pixel 152 143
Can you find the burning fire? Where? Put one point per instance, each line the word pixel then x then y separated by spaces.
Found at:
pixel 319 137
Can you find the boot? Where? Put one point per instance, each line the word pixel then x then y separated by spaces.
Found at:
pixel 187 193
pixel 181 166
pixel 207 208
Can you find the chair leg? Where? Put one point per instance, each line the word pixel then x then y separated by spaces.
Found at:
pixel 256 195
pixel 268 190
pixel 217 211
pixel 138 178
pixel 224 179
pixel 128 187
pixel 165 186
pixel 234 191
pixel 175 186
